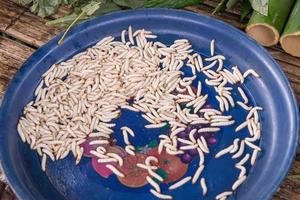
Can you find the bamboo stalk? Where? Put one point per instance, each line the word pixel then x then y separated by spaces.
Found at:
pixel 290 39
pixel 266 29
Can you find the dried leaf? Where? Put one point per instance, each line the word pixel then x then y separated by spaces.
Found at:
pixel 231 3
pixel 260 6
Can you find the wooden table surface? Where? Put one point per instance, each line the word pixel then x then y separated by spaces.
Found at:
pixel 22 32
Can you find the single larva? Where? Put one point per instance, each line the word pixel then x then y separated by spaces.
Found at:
pixel 201 156
pixel 188 142
pixel 203 140
pixel 209 129
pixel 130 150
pixel 238 74
pixel 209 66
pixel 153 184
pixel 240 151
pixel 149 119
pixel 191 135
pixel 221 117
pixel 238 182
pixel 188 147
pixel 107 160
pixel 211 82
pixel 130 35
pixel 43 163
pixel 243 95
pixel 244 160
pixel 228 123
pixel 253 146
pixel 243 105
pixel 252 72
pixel 215 58
pixel 200 121
pixel 101 149
pixel 159 195
pixel 173 152
pixel 224 151
pixel 155 175
pixel 243 170
pixel 203 185
pixel 99 154
pixel 155 125
pixel 21 133
pixel 223 194
pixel 197 65
pixel 197 174
pixel 241 126
pixel 174 133
pixel 253 157
pixel 230 79
pixel 128 130
pixel 123 36
pixel 226 104
pixel 117 157
pixel 212 47
pixel 229 98
pixel 149 159
pixel 251 112
pixel 221 103
pixel 208 74
pixel 115 170
pixel 99 142
pixel 256 118
pixel 235 145
pixel 180 183
pixel 79 155
pixel 202 146
pixel 125 137
pixel 147 167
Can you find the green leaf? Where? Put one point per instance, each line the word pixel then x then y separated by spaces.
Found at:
pixel 130 3
pixel 90 8
pixel 35 7
pixel 43 7
pixel 24 2
pixel 106 8
pixel 220 7
pixel 246 9
pixel 171 3
pixel 79 3
pixel 68 19
pixel 260 6
pixel 70 26
pixel 231 3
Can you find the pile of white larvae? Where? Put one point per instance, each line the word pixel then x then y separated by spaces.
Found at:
pixel 80 97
